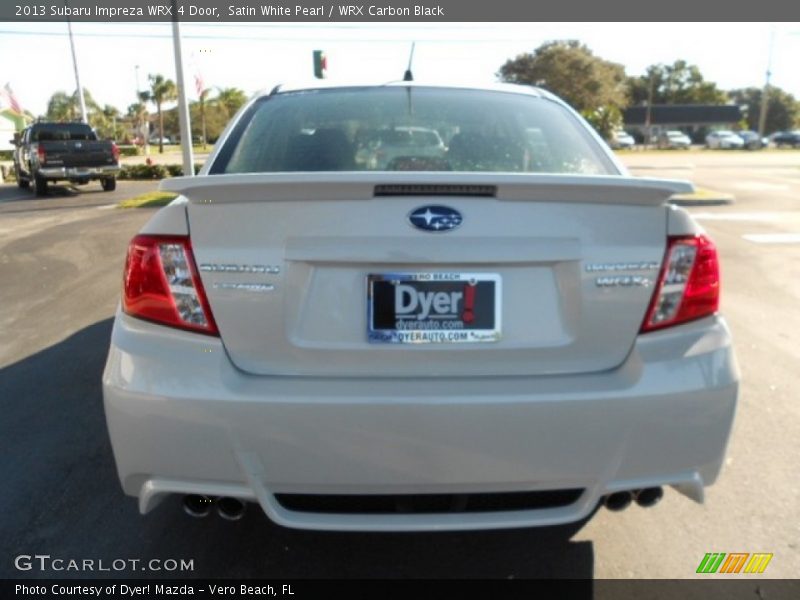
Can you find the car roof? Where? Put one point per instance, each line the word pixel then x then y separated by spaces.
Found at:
pixel 58 124
pixel 322 84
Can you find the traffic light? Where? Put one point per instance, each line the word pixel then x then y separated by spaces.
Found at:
pixel 320 64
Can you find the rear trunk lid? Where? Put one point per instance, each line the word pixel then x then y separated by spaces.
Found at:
pixel 285 260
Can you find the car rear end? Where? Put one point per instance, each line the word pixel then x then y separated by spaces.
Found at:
pixel 72 152
pixel 499 346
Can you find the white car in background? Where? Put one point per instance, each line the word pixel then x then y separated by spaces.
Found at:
pixel 402 147
pixel 622 140
pixel 674 140
pixel 724 140
pixel 510 335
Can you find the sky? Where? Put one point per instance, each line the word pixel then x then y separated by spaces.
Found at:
pixel 115 58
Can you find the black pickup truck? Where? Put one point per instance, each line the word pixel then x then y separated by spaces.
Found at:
pixel 48 152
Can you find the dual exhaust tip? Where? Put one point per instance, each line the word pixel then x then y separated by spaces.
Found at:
pixel 197 506
pixel 645 498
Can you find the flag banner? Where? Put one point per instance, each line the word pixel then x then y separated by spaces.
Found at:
pixel 9 100
pixel 199 81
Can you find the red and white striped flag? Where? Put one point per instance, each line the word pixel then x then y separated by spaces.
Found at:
pixel 199 83
pixel 7 94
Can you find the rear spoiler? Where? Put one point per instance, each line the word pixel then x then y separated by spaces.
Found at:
pixel 348 185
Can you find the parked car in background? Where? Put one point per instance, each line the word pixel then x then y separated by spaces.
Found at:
pixel 47 152
pixel 753 141
pixel 401 145
pixel 674 139
pixel 724 140
pixel 621 140
pixel 153 141
pixel 786 138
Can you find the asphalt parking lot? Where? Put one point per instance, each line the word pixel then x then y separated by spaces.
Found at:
pixel 60 264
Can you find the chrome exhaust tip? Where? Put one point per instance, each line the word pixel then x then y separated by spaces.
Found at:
pixel 649 496
pixel 618 500
pixel 230 509
pixel 197 506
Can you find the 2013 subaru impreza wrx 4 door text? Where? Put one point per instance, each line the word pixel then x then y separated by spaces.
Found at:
pixel 506 331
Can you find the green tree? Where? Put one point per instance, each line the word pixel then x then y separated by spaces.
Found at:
pixel 137 113
pixel 783 109
pixel 592 85
pixel 678 83
pixel 106 122
pixel 161 90
pixel 62 107
pixel 66 107
pixel 230 100
pixel 216 118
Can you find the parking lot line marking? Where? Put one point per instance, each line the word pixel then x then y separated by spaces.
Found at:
pixel 773 238
pixel 742 216
pixel 760 186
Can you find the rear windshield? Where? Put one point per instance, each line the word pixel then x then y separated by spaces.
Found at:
pixel 65 132
pixel 409 129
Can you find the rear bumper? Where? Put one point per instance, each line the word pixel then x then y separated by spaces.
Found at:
pixel 78 172
pixel 183 420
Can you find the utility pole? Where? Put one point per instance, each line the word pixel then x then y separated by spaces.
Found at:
pixel 762 117
pixel 183 107
pixel 84 118
pixel 203 116
pixel 647 114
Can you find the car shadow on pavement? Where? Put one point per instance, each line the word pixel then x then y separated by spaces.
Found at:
pixel 62 498
pixel 54 190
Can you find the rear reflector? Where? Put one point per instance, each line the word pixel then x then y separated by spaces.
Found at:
pixel 688 285
pixel 161 284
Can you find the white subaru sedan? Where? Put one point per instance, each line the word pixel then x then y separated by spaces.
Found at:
pixel 508 333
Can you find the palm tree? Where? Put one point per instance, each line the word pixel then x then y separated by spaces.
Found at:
pixel 61 107
pixel 110 116
pixel 161 90
pixel 231 100
pixel 137 113
pixel 66 107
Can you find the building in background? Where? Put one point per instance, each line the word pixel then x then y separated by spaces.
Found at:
pixel 696 120
pixel 12 117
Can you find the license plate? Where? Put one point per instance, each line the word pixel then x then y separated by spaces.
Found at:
pixel 425 308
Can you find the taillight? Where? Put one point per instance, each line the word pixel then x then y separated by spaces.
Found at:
pixel 688 285
pixel 115 151
pixel 161 284
pixel 41 154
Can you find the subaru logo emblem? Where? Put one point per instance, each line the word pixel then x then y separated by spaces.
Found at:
pixel 435 218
